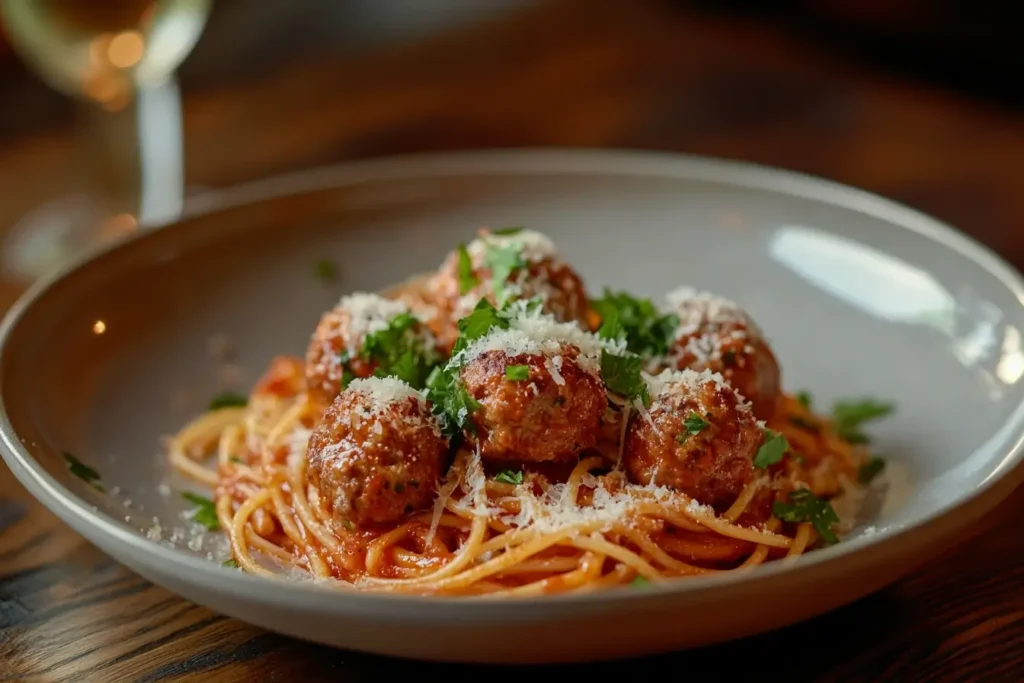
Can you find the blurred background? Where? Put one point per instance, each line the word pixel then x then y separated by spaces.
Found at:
pixel 918 100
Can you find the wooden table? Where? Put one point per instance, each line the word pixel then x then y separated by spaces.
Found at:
pixel 640 74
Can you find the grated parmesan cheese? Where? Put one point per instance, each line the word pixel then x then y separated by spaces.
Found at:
pixel 368 313
pixel 687 381
pixel 540 334
pixel 533 246
pixel 697 309
pixel 381 392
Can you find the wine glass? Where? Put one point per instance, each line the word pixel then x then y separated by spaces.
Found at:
pixel 117 58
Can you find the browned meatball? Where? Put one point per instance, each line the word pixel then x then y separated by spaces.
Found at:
pixel 716 334
pixel 377 453
pixel 335 350
pixel 534 407
pixel 699 438
pixel 537 271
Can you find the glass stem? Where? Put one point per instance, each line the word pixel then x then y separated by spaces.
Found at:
pixel 133 156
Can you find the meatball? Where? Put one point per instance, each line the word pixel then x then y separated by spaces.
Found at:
pixel 336 351
pixel 698 437
pixel 377 453
pixel 534 407
pixel 531 267
pixel 717 335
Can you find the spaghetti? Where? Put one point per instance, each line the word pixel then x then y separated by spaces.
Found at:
pixel 542 531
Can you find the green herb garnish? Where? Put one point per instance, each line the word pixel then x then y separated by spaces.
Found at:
pixel 399 351
pixel 804 423
pixel 205 512
pixel 228 400
pixel 236 459
pixel 450 401
pixel 804 506
pixel 694 424
pixel 83 472
pixel 646 331
pixel 230 563
pixel 639 580
pixel 771 450
pixel 510 477
pixel 502 262
pixel 849 416
pixel 517 373
pixel 325 269
pixel 804 398
pixel 349 526
pixel 478 323
pixel 507 232
pixel 871 469
pixel 467 278
pixel 621 375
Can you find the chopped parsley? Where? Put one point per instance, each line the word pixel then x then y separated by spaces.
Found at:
pixel 236 459
pixel 478 323
pixel 771 450
pixel 325 269
pixel 639 580
pixel 646 331
pixel 508 232
pixel 205 512
pixel 804 399
pixel 510 477
pixel 502 262
pixel 871 469
pixel 804 506
pixel 517 373
pixel 230 563
pixel 467 278
pixel 83 472
pixel 804 423
pixel 849 416
pixel 621 374
pixel 228 400
pixel 398 351
pixel 694 424
pixel 450 401
pixel 349 526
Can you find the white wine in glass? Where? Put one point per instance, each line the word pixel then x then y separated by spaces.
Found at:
pixel 117 58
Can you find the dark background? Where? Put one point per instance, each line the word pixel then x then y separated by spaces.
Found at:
pixel 973 47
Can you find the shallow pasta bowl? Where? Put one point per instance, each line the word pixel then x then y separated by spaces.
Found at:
pixel 858 295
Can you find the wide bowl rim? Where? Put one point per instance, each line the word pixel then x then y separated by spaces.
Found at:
pixel 622 162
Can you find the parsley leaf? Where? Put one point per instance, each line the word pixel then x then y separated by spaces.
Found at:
pixel 871 469
pixel 517 373
pixel 450 401
pixel 467 278
pixel 228 400
pixel 510 477
pixel 83 472
pixel 850 415
pixel 621 374
pixel 804 423
pixel 695 424
pixel 804 506
pixel 771 450
pixel 325 269
pixel 230 563
pixel 646 331
pixel 503 261
pixel 639 580
pixel 205 512
pixel 506 232
pixel 349 526
pixel 804 398
pixel 399 351
pixel 478 323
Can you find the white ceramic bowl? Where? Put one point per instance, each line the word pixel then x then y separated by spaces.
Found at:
pixel 858 295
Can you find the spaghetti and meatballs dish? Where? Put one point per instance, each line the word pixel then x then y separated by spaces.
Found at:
pixel 492 428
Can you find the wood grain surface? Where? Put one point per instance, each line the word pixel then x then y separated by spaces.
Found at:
pixel 603 73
